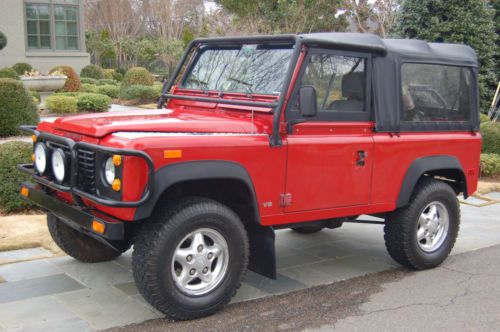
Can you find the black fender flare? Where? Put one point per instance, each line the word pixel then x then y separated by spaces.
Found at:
pixel 423 165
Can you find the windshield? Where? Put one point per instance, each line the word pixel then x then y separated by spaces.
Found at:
pixel 245 69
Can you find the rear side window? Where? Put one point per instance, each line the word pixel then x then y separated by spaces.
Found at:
pixel 435 93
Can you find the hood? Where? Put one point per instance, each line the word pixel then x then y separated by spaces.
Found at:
pixel 164 120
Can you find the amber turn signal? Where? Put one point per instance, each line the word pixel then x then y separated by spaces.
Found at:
pixel 117 185
pixel 117 160
pixel 167 154
pixel 33 157
pixel 25 191
pixel 98 227
pixel 33 138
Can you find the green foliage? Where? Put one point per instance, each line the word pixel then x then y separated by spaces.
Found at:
pixel 3 40
pixel 467 22
pixel 93 102
pixel 36 96
pixel 107 82
pixel 22 67
pixel 117 76
pixel 490 164
pixel 490 131
pixel 187 36
pixel 92 71
pixel 483 118
pixel 89 87
pixel 73 82
pixel 137 76
pixel 108 74
pixel 60 104
pixel 141 93
pixel 70 94
pixel 88 80
pixel 11 154
pixel 16 107
pixel 101 48
pixel 8 73
pixel 111 91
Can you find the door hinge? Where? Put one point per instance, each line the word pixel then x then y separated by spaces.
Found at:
pixel 286 199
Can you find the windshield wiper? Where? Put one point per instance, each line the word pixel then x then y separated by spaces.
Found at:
pixel 203 84
pixel 248 85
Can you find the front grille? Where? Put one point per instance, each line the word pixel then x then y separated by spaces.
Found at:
pixel 86 180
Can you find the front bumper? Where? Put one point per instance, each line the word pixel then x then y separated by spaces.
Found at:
pixel 81 219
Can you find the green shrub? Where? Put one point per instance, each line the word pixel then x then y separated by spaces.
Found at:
pixel 121 71
pixel 70 94
pixel 11 154
pixel 36 96
pixel 142 93
pixel 61 104
pixel 92 71
pixel 107 82
pixel 111 91
pixel 3 40
pixel 89 88
pixel 22 67
pixel 491 137
pixel 490 164
pixel 137 76
pixel 73 82
pixel 117 76
pixel 88 80
pixel 108 73
pixel 93 102
pixel 483 118
pixel 8 73
pixel 16 107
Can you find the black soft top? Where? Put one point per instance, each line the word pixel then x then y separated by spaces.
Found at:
pixel 458 54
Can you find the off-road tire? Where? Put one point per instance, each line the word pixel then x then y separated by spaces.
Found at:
pixel 308 229
pixel 401 225
pixel 157 241
pixel 78 245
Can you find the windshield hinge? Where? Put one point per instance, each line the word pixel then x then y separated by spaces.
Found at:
pixel 286 199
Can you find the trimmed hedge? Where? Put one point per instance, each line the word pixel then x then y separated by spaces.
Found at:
pixel 108 74
pixel 92 88
pixel 61 104
pixel 9 73
pixel 137 76
pixel 490 164
pixel 93 102
pixel 92 71
pixel 11 154
pixel 16 107
pixel 22 67
pixel 117 76
pixel 36 96
pixel 490 131
pixel 142 93
pixel 88 80
pixel 73 82
pixel 107 82
pixel 111 91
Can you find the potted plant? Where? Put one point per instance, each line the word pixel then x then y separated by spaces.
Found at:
pixel 45 84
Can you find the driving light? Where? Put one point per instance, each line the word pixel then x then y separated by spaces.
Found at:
pixel 41 157
pixel 109 171
pixel 59 165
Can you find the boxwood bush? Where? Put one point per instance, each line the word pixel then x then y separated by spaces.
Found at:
pixel 491 137
pixel 60 104
pixel 73 82
pixel 108 74
pixel 117 76
pixel 93 102
pixel 36 96
pixel 11 154
pixel 92 88
pixel 16 107
pixel 490 164
pixel 22 67
pixel 8 73
pixel 111 91
pixel 88 80
pixel 141 93
pixel 92 71
pixel 107 82
pixel 137 76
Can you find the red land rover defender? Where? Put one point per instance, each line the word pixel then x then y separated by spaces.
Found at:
pixel 259 133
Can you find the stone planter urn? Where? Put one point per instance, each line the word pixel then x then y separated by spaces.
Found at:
pixel 44 85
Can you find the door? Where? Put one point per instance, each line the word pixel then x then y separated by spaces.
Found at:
pixel 329 160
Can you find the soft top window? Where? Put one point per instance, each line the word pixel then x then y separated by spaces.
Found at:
pixel 435 93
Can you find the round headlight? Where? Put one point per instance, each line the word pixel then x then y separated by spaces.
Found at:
pixel 109 171
pixel 59 165
pixel 41 157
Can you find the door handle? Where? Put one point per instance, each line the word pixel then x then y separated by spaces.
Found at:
pixel 360 160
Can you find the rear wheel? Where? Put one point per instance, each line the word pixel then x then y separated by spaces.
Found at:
pixel 189 261
pixel 78 245
pixel 422 234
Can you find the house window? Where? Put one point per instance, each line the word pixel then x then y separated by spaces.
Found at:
pixel 52 26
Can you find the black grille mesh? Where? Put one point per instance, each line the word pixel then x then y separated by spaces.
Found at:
pixel 86 170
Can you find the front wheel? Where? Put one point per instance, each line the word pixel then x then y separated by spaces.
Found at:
pixel 189 261
pixel 422 234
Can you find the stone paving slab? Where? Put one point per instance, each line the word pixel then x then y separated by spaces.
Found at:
pixel 24 254
pixel 102 295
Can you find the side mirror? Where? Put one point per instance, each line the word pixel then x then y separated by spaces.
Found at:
pixel 307 101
